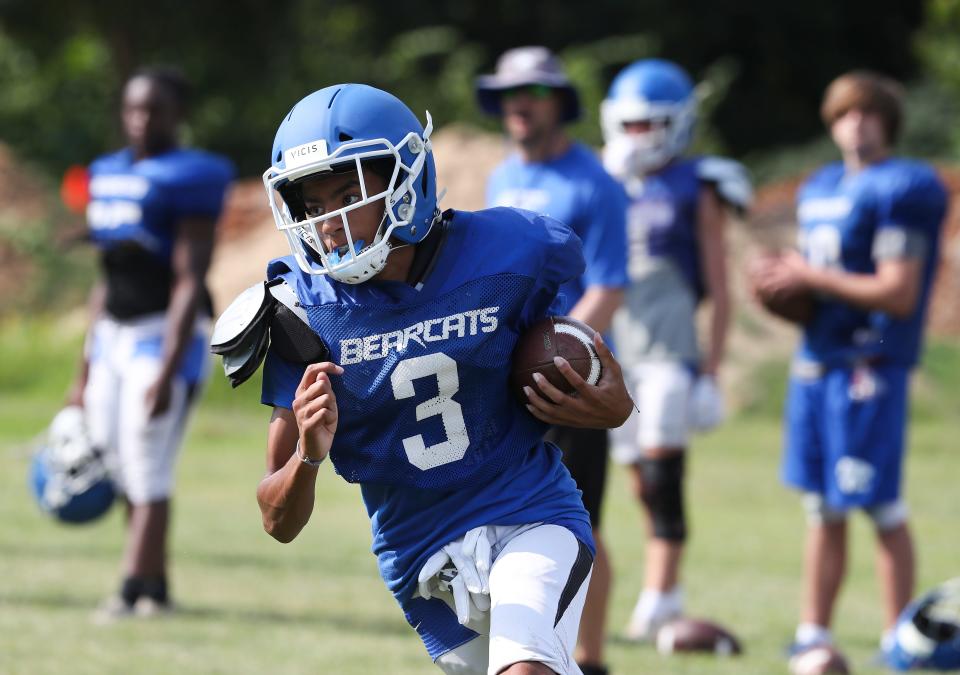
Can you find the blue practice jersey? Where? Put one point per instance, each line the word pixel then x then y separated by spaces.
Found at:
pixel 133 216
pixel 662 220
pixel 427 424
pixel 141 201
pixel 575 189
pixel 892 209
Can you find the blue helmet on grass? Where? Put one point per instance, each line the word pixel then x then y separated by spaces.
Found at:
pixel 342 128
pixel 927 634
pixel 68 475
pixel 654 92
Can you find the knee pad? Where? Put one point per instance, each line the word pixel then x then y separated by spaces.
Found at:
pixel 818 513
pixel 662 494
pixel 889 515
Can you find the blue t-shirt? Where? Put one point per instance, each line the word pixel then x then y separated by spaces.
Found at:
pixel 142 201
pixel 575 189
pixel 894 208
pixel 427 424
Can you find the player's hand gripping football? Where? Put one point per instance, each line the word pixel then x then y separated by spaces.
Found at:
pixel 605 405
pixel 315 407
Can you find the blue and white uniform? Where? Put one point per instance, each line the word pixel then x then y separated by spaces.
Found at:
pixel 427 425
pixel 135 209
pixel 656 331
pixel 846 413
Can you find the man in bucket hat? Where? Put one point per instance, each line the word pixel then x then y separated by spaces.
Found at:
pixel 550 173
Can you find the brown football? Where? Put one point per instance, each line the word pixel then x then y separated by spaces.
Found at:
pixel 794 305
pixel 819 661
pixel 696 635
pixel 547 338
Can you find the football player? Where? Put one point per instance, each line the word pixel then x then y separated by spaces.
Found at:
pixel 153 209
pixel 551 174
pixel 869 236
pixel 402 380
pixel 677 258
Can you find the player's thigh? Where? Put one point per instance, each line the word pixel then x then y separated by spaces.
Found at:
pixel 585 456
pixel 148 446
pixel 101 395
pixel 538 585
pixel 865 435
pixel 661 391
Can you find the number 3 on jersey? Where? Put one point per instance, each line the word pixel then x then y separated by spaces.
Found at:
pixel 443 368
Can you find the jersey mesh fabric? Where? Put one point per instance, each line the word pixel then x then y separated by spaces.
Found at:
pixel 499 431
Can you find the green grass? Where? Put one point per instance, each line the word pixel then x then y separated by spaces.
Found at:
pixel 251 605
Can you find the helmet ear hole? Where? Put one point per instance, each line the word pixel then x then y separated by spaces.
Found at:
pixel 424 178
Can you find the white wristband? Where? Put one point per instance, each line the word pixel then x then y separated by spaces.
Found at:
pixel 306 460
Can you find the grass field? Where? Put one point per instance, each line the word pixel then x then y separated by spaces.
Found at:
pixel 251 605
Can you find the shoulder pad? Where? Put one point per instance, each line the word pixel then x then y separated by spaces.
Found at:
pixel 268 313
pixel 291 336
pixel 241 333
pixel 247 311
pixel 730 178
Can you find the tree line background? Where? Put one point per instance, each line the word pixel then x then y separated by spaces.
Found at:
pixel 764 64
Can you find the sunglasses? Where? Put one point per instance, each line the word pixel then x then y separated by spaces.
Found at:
pixel 538 91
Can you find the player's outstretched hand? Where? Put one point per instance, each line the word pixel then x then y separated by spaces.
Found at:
pixel 605 405
pixel 315 407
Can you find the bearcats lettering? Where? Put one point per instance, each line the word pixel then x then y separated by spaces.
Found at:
pixel 379 346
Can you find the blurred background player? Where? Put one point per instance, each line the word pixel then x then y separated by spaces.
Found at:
pixel 153 210
pixel 675 223
pixel 549 173
pixel 870 237
pixel 479 530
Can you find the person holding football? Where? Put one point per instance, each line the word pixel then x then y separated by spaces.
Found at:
pixel 406 319
pixel 677 258
pixel 551 174
pixel 153 210
pixel 869 244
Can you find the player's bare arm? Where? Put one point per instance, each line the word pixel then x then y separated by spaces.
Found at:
pixel 597 306
pixel 297 439
pixel 192 251
pixel 602 406
pixel 894 288
pixel 711 221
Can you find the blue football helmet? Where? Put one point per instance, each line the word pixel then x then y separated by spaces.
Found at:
pixel 339 128
pixel 927 634
pixel 655 92
pixel 68 475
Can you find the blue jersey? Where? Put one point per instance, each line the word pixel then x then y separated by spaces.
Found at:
pixel 427 423
pixel 662 221
pixel 133 215
pixel 575 189
pixel 892 209
pixel 141 201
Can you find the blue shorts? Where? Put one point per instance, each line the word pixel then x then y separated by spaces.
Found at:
pixel 845 432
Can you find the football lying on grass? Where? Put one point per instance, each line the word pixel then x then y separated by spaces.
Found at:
pixel 696 635
pixel 819 661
